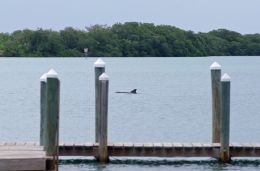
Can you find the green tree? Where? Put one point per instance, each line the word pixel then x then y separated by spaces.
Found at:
pixel 128 39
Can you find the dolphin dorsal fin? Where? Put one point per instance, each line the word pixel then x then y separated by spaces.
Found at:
pixel 133 91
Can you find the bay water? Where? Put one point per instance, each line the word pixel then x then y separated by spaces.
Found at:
pixel 173 104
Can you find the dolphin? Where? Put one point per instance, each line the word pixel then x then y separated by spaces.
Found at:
pixel 128 92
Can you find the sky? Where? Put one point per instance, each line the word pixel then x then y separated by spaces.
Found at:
pixel 196 15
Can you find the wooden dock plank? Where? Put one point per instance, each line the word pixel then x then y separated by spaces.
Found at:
pixel 20 148
pixel 145 150
pixel 22 154
pixel 23 164
pixel 89 149
pixel 22 157
pixel 30 154
pixel 162 150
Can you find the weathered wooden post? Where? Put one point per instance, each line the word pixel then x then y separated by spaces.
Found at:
pixel 51 124
pixel 103 150
pixel 216 106
pixel 43 101
pixel 99 66
pixel 225 118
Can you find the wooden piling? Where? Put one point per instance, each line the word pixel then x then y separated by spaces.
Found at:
pixel 51 126
pixel 43 80
pixel 225 118
pixel 99 66
pixel 103 149
pixel 216 101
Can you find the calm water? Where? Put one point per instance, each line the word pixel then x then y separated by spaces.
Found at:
pixel 173 105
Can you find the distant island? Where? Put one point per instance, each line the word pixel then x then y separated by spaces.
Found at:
pixel 130 39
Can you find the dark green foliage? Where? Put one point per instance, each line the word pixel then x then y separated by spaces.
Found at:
pixel 128 39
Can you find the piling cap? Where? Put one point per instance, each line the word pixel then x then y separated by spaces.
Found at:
pixel 52 74
pixel 99 63
pixel 225 78
pixel 43 77
pixel 215 66
pixel 103 77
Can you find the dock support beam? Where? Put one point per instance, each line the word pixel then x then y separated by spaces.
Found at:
pixel 225 118
pixel 216 101
pixel 51 124
pixel 99 66
pixel 43 101
pixel 103 149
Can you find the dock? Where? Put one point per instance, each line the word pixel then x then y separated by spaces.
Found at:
pixel 44 155
pixel 160 150
pixel 28 153
pixel 22 156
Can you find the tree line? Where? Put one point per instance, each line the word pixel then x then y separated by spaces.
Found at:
pixel 130 39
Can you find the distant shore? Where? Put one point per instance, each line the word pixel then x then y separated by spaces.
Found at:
pixel 129 39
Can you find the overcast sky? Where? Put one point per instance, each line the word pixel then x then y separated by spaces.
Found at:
pixel 196 15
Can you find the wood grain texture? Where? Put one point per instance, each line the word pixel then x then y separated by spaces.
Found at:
pixel 162 150
pixel 22 157
pixel 98 72
pixel 103 150
pixel 51 126
pixel 216 104
pixel 225 121
pixel 25 164
pixel 43 101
